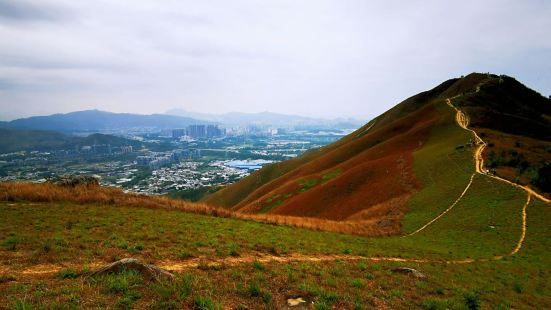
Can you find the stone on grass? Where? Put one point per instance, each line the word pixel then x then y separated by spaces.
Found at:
pixel 150 272
pixel 410 271
pixel 293 302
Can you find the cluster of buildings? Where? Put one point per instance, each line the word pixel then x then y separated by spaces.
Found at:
pixel 199 131
pixel 158 160
pixel 104 149
pixel 187 175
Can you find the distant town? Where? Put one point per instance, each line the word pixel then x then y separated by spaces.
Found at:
pixel 167 161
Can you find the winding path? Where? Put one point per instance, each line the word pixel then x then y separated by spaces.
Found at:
pixel 463 121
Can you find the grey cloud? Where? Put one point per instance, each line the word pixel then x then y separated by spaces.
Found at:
pixel 323 58
pixel 26 11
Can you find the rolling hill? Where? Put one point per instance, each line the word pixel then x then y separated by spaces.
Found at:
pixel 14 140
pixel 269 119
pixel 95 120
pixel 410 155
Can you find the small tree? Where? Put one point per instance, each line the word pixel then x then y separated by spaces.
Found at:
pixel 543 178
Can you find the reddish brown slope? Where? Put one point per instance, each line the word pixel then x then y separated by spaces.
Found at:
pixel 235 194
pixel 371 170
pixel 365 176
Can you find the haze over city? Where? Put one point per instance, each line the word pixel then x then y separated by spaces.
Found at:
pixel 316 58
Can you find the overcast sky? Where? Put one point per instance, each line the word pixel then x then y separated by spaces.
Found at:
pixel 339 58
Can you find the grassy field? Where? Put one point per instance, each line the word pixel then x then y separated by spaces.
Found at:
pixel 442 170
pixel 77 237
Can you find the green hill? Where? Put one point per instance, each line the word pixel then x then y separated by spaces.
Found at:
pixel 14 140
pixel 411 156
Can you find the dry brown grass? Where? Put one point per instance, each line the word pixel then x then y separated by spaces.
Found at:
pixel 50 193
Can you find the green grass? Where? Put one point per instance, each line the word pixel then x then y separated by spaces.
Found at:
pixel 442 170
pixel 330 175
pixel 485 223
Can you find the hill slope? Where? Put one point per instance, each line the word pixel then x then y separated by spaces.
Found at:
pixel 410 156
pixel 14 140
pixel 52 237
pixel 94 120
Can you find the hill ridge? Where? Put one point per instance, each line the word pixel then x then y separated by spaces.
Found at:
pixel 286 188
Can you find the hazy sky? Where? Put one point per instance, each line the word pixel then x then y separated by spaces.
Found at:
pixel 319 58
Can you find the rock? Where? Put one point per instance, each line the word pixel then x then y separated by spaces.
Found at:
pixel 75 180
pixel 293 302
pixel 410 271
pixel 151 272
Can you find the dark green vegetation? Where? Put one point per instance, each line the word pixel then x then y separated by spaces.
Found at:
pixel 14 140
pixel 504 104
pixel 515 121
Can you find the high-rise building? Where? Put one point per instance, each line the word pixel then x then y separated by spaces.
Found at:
pixel 196 131
pixel 177 133
pixel 213 131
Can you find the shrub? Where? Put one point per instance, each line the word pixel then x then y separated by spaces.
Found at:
pixel 517 287
pixel 358 283
pixel 266 297
pixel 186 286
pixel 204 303
pixel 254 289
pixel 543 178
pixel 67 274
pixel 10 243
pixel 22 305
pixel 472 300
pixel 258 265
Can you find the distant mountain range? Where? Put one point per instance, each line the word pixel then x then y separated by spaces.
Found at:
pixel 269 119
pixel 94 120
pixel 98 121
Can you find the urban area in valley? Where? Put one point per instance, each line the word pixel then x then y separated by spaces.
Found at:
pixel 179 161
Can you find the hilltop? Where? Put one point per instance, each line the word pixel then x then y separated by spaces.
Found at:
pixel 413 152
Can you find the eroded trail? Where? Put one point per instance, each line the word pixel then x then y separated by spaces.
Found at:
pixel 179 266
pixel 445 211
pixel 463 121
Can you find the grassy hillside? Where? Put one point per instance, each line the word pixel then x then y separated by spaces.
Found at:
pixel 14 140
pixel 413 158
pixel 230 263
pixel 20 140
pixel 515 122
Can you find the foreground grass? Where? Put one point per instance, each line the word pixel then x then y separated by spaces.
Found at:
pixel 69 234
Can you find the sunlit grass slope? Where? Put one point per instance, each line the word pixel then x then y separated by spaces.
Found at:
pixel 486 223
